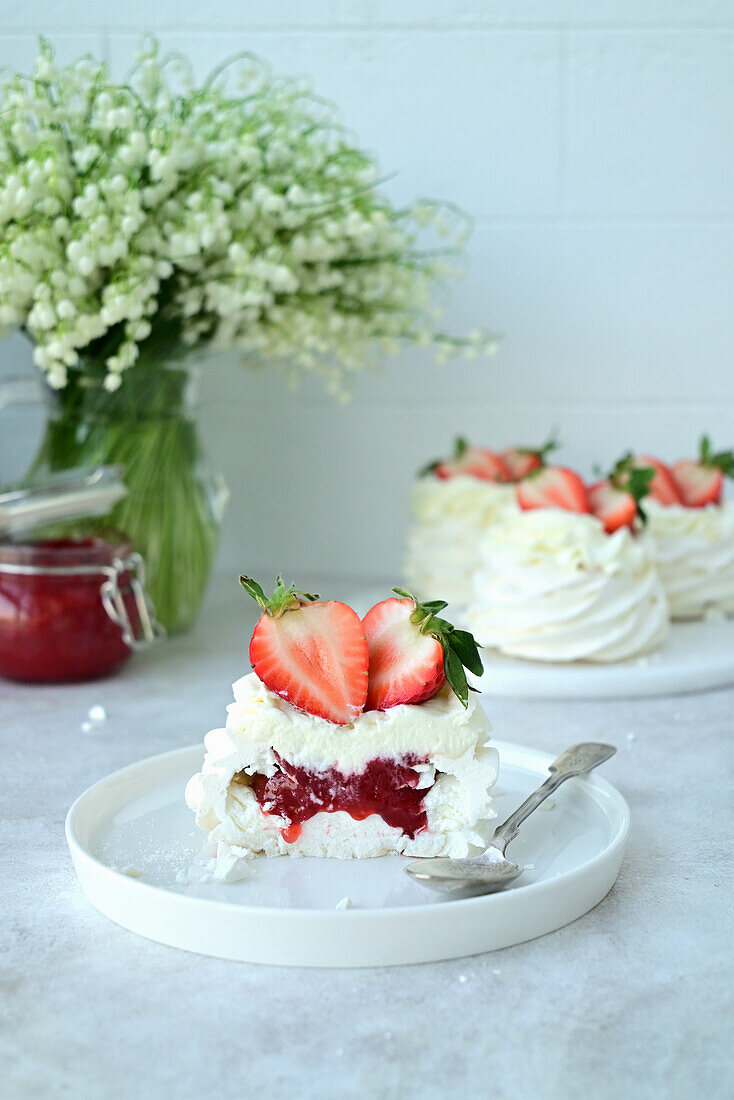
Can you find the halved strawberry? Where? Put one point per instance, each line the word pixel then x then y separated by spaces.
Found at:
pixel 313 654
pixel 702 482
pixel 521 461
pixel 662 487
pixel 413 652
pixel 553 487
pixel 617 501
pixel 471 462
pixel 698 485
pixel 614 507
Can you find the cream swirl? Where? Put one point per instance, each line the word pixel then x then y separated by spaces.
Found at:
pixel 554 587
pixel 449 518
pixel 693 549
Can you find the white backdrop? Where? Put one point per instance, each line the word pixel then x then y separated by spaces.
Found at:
pixel 592 141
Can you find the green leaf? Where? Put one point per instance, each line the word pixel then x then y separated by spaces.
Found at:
pixel 723 460
pixel 460 448
pixel 552 443
pixel 630 478
pixel 429 468
pixel 435 605
pixel 705 450
pixel 283 599
pixel 467 650
pixel 455 675
pixel 253 589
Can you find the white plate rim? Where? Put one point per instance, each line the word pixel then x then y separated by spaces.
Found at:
pixel 93 871
pixel 662 673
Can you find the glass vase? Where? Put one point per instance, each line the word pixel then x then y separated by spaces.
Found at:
pixel 174 507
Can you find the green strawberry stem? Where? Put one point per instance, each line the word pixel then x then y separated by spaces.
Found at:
pixel 460 649
pixel 460 448
pixel 283 599
pixel 723 461
pixel 551 444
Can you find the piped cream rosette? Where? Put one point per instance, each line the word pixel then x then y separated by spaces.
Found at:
pixel 693 549
pixel 450 518
pixel 553 586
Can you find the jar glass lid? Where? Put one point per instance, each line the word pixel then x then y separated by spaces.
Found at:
pixel 73 494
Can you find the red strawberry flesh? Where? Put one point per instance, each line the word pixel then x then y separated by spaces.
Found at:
pixel 520 462
pixel 316 658
pixel 553 487
pixel 663 488
pixel 698 484
pixel 614 507
pixel 406 666
pixel 475 462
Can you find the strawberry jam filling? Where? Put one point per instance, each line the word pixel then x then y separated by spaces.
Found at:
pixel 386 787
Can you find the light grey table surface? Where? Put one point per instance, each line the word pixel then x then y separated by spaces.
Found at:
pixel 633 1000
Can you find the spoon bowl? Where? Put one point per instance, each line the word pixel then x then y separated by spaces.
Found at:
pixel 492 871
pixel 482 874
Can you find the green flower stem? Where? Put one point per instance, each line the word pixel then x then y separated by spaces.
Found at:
pixel 167 513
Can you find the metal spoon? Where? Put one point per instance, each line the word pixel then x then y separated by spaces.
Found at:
pixel 491 871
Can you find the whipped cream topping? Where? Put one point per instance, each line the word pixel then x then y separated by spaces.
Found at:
pixel 693 549
pixel 554 587
pixel 459 772
pixel 449 518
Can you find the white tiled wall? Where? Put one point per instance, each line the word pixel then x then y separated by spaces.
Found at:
pixel 592 140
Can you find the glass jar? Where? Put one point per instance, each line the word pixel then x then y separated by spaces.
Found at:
pixel 71 609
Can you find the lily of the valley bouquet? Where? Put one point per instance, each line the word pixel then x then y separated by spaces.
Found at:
pixel 144 221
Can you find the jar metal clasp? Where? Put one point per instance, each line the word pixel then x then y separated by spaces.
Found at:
pixel 149 630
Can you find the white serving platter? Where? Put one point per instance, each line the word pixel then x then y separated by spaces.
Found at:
pixel 696 657
pixel 135 822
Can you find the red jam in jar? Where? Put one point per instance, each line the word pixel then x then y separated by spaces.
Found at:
pixel 53 622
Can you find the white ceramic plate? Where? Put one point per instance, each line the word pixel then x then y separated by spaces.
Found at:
pixel 285 911
pixel 697 656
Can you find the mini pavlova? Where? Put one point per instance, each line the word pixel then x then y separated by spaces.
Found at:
pixel 351 738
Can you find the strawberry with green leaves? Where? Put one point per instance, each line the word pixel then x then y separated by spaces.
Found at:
pixel 312 653
pixel 413 652
pixel 475 462
pixel 521 461
pixel 701 481
pixel 617 501
pixel 663 488
pixel 552 487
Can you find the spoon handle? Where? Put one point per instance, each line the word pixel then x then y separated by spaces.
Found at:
pixel 577 760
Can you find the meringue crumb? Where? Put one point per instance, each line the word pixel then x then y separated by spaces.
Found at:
pixel 86 726
pixel 230 864
pixel 549 804
pixel 631 736
pixel 97 713
pixel 529 867
pixel 463 978
pixel 132 872
pixel 345 903
pixel 497 971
